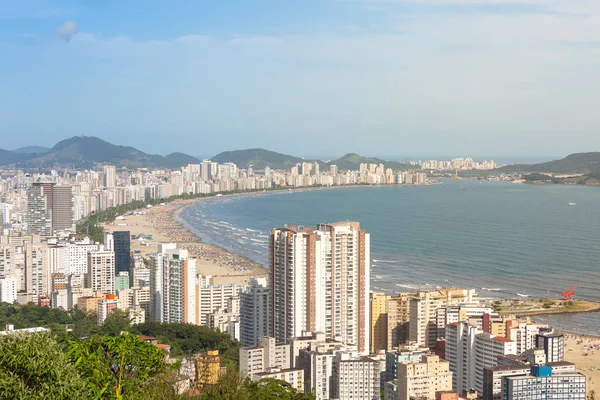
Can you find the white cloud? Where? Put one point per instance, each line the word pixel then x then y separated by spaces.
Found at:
pixel 67 30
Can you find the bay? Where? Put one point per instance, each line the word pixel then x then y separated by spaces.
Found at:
pixel 506 240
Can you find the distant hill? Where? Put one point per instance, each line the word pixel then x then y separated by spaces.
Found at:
pixel 260 158
pixel 87 151
pixel 573 163
pixel 352 161
pixel 10 157
pixel 32 150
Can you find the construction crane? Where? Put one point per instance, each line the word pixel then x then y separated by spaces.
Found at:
pixel 569 294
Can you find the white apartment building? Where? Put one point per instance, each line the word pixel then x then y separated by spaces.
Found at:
pixel 317 363
pixel 101 271
pixel 254 311
pixel 172 285
pixel 212 298
pixel 37 273
pixel 355 377
pixel 78 257
pixel 320 282
pixel 424 327
pixel 524 334
pixel 268 354
pixel 469 350
pixel 58 259
pixel 423 379
pixel 8 289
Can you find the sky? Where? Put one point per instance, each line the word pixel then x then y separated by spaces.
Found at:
pixel 304 77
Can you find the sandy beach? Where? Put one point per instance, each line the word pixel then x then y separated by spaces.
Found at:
pixel 589 365
pixel 160 222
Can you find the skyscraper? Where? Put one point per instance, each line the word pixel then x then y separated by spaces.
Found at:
pixel 172 285
pixel 49 209
pixel 62 208
pixel 122 249
pixel 38 218
pixel 254 312
pixel 110 176
pixel 101 271
pixel 320 282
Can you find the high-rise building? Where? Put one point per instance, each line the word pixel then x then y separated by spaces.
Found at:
pixel 254 311
pixel 8 289
pixel 38 217
pixel 110 176
pixel 355 377
pixel 542 384
pixel 109 241
pixel 469 350
pixel 261 358
pixel 122 248
pixel 320 282
pixel 425 329
pixel 62 209
pixel 37 273
pixel 398 319
pixel 212 298
pixel 423 379
pixel 493 377
pixel 379 319
pixel 553 344
pixel 172 285
pixel 101 271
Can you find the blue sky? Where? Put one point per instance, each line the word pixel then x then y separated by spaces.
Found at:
pixel 377 77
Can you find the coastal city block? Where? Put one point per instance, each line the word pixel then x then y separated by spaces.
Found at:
pixel 309 318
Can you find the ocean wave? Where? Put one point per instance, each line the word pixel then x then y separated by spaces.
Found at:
pixel 251 230
pixel 386 261
pixel 522 295
pixel 408 286
pixel 492 290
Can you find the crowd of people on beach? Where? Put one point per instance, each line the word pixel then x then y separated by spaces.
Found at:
pixel 163 220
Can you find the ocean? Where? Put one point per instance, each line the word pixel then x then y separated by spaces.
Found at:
pixel 506 240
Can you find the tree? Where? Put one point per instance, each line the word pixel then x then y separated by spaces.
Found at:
pixel 118 365
pixel 117 322
pixel 33 366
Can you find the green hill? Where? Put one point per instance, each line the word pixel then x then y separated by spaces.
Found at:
pixel 87 151
pixel 259 158
pixel 10 157
pixel 352 161
pixel 572 164
pixel 32 150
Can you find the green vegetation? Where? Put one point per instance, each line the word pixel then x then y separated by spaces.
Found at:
pixel 261 158
pixel 352 161
pixel 187 339
pixel 574 163
pixel 102 362
pixel 37 366
pixel 592 179
pixel 540 178
pixel 117 367
pixel 85 152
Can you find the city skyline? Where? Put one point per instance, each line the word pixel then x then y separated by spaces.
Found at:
pixel 453 76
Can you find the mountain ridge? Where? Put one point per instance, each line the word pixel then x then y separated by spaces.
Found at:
pixel 87 151
pixel 572 164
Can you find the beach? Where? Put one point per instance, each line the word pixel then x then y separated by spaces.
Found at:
pixel 159 225
pixel 577 347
